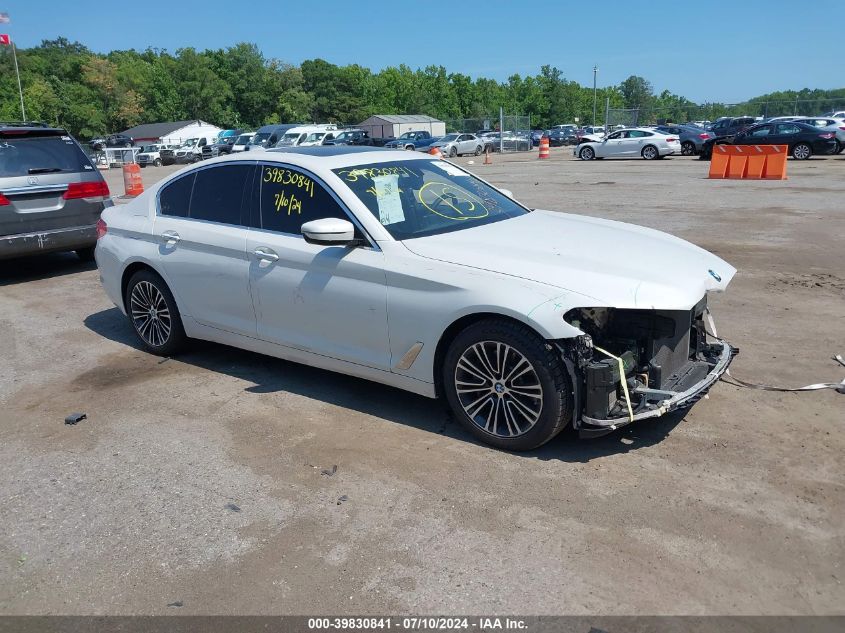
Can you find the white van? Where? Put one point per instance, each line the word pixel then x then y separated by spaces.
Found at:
pixel 307 135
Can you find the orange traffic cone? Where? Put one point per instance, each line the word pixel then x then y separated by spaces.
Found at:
pixel 487 160
pixel 434 151
pixel 544 147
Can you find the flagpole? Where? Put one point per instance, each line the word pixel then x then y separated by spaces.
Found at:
pixel 18 73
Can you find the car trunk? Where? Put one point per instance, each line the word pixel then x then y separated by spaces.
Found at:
pixel 36 170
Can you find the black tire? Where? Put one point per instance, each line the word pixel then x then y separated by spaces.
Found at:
pixel 478 149
pixel 650 152
pixel 85 254
pixel 176 339
pixel 801 151
pixel 453 152
pixel 157 162
pixel 127 144
pixel 586 153
pixel 688 148
pixel 549 369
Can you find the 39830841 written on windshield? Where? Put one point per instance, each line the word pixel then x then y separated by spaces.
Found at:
pixel 419 198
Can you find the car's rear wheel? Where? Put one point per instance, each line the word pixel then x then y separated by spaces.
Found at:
pixel 586 153
pixel 153 313
pixel 802 151
pixel 506 385
pixel 688 148
pixel 85 254
pixel 453 152
pixel 650 152
pixel 478 149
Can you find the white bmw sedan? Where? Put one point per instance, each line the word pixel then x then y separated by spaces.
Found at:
pixel 407 270
pixel 631 143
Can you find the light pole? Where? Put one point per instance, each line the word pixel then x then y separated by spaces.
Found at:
pixel 595 71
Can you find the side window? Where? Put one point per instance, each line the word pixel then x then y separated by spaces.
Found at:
pixel 614 136
pixel 175 198
pixel 289 198
pixel 760 131
pixel 636 134
pixel 787 128
pixel 218 193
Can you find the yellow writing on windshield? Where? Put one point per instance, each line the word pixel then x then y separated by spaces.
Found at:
pixel 451 202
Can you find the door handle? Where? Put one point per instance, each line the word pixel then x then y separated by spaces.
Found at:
pixel 265 254
pixel 171 237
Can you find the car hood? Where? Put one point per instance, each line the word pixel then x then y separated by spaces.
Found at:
pixel 613 263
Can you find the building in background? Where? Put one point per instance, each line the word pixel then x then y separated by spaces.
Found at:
pixel 393 125
pixel 172 132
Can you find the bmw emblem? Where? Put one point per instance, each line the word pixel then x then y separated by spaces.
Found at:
pixel 714 275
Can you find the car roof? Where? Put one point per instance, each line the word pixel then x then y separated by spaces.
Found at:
pixel 30 127
pixel 324 157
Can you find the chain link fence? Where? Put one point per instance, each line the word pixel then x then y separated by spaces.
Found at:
pixel 709 112
pixel 510 134
pixel 621 117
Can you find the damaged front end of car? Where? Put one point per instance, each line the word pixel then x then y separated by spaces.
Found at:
pixel 634 364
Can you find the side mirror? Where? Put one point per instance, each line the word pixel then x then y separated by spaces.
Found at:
pixel 507 192
pixel 328 232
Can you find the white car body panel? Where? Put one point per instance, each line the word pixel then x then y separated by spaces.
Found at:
pixel 359 311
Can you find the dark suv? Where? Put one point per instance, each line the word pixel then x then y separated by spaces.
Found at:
pixel 731 126
pixel 51 195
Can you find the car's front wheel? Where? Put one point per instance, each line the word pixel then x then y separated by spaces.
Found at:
pixel 506 385
pixel 453 152
pixel 478 149
pixel 587 153
pixel 802 151
pixel 153 313
pixel 157 162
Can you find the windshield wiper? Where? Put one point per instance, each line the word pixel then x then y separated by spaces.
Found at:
pixel 44 170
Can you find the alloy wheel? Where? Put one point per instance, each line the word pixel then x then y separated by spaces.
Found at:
pixel 150 314
pixel 649 153
pixel 498 389
pixel 801 152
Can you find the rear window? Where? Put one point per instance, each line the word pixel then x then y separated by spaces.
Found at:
pixel 31 155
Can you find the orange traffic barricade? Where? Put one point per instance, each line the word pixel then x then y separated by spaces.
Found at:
pixel 132 183
pixel 544 147
pixel 749 162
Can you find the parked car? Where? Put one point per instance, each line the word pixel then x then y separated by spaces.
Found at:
pixel 268 135
pixel 536 135
pixel 410 140
pixel 151 154
pixel 802 140
pixel 630 143
pixel 356 137
pixel 591 133
pixel 835 114
pixel 827 124
pixel 459 144
pixel 112 140
pixel 692 137
pixel 503 311
pixel 508 141
pixel 223 145
pixel 51 194
pixel 188 152
pixel 241 142
pixel 320 137
pixel 300 134
pixel 560 137
pixel 727 127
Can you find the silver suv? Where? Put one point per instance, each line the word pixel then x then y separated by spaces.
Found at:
pixel 51 194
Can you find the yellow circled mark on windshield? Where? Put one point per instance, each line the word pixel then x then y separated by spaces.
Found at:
pixel 446 194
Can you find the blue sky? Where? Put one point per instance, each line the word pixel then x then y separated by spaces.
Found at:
pixel 717 50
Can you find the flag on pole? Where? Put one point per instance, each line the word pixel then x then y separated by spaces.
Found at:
pixel 4 40
pixel 4 18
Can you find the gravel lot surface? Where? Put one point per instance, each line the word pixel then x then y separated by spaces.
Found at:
pixel 200 479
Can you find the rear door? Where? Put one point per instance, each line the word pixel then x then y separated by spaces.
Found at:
pixel 201 228
pixel 43 178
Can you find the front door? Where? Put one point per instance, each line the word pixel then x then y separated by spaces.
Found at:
pixel 329 300
pixel 202 245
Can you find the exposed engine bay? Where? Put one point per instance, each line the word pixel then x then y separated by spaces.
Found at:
pixel 641 363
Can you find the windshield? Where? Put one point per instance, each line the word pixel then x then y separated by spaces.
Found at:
pixel 149 148
pixel 189 143
pixel 260 138
pixel 315 136
pixel 288 139
pixel 26 155
pixel 449 137
pixel 243 139
pixel 416 198
pixel 343 136
pixel 407 135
